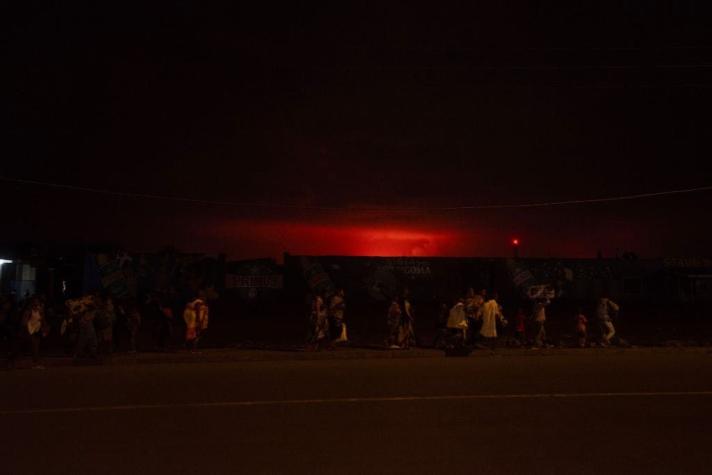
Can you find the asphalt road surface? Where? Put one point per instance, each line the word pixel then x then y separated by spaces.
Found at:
pixel 633 411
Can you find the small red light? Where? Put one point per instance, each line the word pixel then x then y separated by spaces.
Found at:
pixel 515 242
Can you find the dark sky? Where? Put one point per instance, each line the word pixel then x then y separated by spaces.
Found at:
pixel 374 106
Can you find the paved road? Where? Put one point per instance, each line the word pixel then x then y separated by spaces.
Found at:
pixel 633 411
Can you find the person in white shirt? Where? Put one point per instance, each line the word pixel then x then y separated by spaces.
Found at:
pixel 490 313
pixel 603 309
pixel 457 321
pixel 540 322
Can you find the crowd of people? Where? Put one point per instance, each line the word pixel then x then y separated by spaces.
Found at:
pixel 475 320
pixel 97 324
pixel 326 325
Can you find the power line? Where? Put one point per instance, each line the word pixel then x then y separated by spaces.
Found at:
pixel 541 204
pixel 517 67
pixel 594 200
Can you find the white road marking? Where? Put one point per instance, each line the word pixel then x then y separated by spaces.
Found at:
pixel 355 400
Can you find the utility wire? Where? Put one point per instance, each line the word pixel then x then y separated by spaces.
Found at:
pixel 541 204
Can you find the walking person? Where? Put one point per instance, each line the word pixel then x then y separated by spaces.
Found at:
pixel 491 313
pixel 603 314
pixel 337 305
pixel 33 326
pixel 86 339
pixel 394 324
pixel 473 307
pixel 407 330
pixel 540 323
pixel 190 317
pixel 581 328
pixel 319 324
pixel 457 322
pixel 202 313
pixel 520 328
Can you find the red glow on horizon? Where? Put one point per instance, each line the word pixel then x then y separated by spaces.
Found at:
pixel 365 240
pixel 355 236
pixel 351 240
pixel 396 242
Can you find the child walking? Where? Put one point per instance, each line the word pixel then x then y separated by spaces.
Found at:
pixel 581 328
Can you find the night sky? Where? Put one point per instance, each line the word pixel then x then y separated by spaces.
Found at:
pixel 370 109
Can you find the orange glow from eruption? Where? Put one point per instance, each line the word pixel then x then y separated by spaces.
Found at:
pixel 351 240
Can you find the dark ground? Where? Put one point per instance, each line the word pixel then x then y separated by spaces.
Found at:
pixel 364 411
